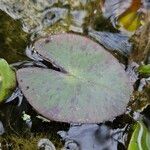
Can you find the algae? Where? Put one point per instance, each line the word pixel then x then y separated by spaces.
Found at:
pixel 13 40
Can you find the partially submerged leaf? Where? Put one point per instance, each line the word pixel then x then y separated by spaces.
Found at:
pixel 91 85
pixel 130 19
pixel 7 80
pixel 126 15
pixel 140 139
pixel 145 69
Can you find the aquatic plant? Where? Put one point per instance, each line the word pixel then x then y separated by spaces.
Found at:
pixel 145 69
pixel 7 80
pixel 13 40
pixel 84 84
pixel 140 138
pixel 125 15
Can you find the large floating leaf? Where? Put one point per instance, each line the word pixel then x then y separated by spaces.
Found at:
pixel 91 87
pixel 140 139
pixel 7 80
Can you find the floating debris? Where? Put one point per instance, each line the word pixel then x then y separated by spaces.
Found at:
pixel 46 144
pixel 16 94
pixel 27 119
pixel 77 20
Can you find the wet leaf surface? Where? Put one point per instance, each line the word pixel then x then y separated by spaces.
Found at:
pixel 7 80
pixel 91 84
pixel 140 138
pixel 125 15
pixel 145 70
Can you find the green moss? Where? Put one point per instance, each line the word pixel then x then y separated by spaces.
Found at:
pixel 26 143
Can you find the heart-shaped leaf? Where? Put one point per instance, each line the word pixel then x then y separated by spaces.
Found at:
pixel 91 87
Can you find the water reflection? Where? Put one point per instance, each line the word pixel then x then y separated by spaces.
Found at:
pixel 90 137
pixel 40 18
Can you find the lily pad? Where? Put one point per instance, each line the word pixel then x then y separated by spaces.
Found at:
pixel 90 87
pixel 140 138
pixel 7 80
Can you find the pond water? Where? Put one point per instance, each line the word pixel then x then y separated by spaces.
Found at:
pixel 22 23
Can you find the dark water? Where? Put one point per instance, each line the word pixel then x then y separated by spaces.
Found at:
pixel 23 126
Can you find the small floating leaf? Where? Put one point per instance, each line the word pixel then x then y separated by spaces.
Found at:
pixel 7 80
pixel 145 69
pixel 131 18
pixel 124 14
pixel 91 85
pixel 140 139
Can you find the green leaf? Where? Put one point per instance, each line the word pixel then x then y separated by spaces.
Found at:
pixel 145 69
pixel 140 139
pixel 7 80
pixel 90 87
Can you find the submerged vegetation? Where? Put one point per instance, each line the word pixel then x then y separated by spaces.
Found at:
pixel 13 40
pixel 85 76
